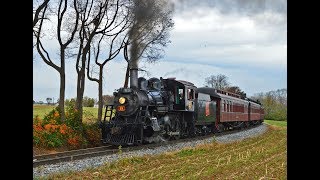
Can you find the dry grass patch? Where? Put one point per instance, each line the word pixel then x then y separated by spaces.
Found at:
pixel 262 157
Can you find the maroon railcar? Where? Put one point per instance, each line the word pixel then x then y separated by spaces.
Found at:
pixel 232 110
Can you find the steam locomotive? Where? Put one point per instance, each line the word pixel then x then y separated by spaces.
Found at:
pixel 156 110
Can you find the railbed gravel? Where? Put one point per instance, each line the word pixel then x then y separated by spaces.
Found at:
pixel 83 164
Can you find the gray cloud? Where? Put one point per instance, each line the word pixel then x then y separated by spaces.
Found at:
pixel 265 13
pixel 248 7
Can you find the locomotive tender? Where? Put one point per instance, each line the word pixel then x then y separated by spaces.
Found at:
pixel 156 110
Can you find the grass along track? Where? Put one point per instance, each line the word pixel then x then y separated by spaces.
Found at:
pixel 262 157
pixel 276 123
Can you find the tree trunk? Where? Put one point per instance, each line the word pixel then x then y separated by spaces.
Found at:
pixel 100 105
pixel 80 90
pixel 80 87
pixel 81 99
pixel 62 95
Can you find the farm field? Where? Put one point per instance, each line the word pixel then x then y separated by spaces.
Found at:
pixel 90 114
pixel 262 157
pixel 276 123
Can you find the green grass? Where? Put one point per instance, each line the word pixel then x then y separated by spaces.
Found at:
pixel 262 157
pixel 276 123
pixel 41 110
pixel 90 114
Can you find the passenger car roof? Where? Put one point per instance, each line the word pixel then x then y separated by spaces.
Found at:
pixel 208 90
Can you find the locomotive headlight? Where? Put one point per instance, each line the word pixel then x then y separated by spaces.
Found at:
pixel 122 100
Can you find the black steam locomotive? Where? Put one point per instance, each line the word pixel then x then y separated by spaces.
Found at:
pixel 156 110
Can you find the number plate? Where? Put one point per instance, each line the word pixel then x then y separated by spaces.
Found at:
pixel 121 108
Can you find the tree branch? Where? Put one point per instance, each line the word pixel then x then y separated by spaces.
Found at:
pixel 36 15
pixel 40 47
pixel 88 68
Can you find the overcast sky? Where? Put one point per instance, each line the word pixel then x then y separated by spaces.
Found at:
pixel 246 40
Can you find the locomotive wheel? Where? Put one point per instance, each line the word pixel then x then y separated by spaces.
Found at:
pixel 192 128
pixel 166 132
pixel 174 128
pixel 177 128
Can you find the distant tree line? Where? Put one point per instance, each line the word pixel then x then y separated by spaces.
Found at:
pixel 274 103
pixel 90 102
pixel 86 102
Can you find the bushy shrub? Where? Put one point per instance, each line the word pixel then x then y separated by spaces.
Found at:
pixel 73 118
pixel 50 132
pixel 92 134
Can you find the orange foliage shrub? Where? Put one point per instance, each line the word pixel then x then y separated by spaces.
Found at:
pixel 51 132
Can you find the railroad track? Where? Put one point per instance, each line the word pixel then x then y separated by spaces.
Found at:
pixel 71 155
pixel 109 149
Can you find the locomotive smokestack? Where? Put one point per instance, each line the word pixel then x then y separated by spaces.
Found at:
pixel 134 74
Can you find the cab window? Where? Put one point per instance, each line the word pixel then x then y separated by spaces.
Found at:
pixel 190 94
pixel 180 95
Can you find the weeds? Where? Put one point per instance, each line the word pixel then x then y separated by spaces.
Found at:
pixel 119 149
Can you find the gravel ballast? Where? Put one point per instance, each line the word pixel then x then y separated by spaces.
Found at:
pixel 82 164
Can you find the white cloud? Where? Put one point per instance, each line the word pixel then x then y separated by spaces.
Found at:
pixel 209 19
pixel 254 55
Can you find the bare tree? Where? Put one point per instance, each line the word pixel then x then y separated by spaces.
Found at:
pixel 114 43
pixel 149 33
pixel 65 32
pixel 38 11
pixel 219 81
pixel 97 18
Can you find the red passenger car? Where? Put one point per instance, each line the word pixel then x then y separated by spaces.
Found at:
pixel 232 110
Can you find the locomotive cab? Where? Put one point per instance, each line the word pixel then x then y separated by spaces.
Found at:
pixel 183 94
